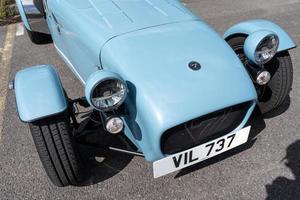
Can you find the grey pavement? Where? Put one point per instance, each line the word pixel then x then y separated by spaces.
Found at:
pixel 268 167
pixel 2 35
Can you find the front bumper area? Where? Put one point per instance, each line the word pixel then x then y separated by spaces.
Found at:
pixel 203 129
pixel 153 149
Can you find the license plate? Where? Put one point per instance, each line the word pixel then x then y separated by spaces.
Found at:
pixel 200 153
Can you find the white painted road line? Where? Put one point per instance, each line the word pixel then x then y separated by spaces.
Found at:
pixel 5 69
pixel 20 29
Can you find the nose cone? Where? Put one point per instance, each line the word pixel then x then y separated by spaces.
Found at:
pixel 176 73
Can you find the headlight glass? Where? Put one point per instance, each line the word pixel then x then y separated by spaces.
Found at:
pixel 109 94
pixel 114 125
pixel 266 49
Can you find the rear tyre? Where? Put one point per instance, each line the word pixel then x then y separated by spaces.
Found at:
pixel 271 96
pixel 57 150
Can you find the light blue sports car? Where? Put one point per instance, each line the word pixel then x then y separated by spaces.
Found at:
pixel 155 74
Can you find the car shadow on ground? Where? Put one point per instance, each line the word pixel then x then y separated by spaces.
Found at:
pixel 282 187
pixel 101 164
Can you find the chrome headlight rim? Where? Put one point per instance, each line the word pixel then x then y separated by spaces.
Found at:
pixel 274 49
pixel 115 106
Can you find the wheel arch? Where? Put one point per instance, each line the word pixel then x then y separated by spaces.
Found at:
pixel 247 27
pixel 33 15
pixel 39 93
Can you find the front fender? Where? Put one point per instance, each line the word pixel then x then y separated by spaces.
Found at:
pixel 23 14
pixel 39 93
pixel 248 27
pixel 33 15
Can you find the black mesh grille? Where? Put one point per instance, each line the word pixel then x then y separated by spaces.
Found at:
pixel 202 129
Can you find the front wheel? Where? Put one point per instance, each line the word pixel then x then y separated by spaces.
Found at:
pixel 272 95
pixel 56 148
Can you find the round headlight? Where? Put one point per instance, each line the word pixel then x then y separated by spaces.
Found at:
pixel 108 94
pixel 261 46
pixel 266 49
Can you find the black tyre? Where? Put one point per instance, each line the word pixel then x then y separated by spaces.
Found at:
pixel 57 150
pixel 280 67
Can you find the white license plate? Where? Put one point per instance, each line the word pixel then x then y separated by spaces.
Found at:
pixel 200 153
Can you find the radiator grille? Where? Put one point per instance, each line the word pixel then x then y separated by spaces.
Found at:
pixel 202 129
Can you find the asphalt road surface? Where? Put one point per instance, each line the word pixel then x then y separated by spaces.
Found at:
pixel 268 167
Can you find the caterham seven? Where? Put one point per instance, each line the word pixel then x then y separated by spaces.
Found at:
pixel 153 73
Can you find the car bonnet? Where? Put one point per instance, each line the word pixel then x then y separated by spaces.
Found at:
pixel 116 17
pixel 163 90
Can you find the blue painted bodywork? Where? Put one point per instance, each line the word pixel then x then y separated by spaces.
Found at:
pixel 39 93
pixel 253 41
pixel 163 91
pixel 23 15
pixel 248 27
pixel 149 43
pixel 85 26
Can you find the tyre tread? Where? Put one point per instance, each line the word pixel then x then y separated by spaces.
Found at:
pixel 57 151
